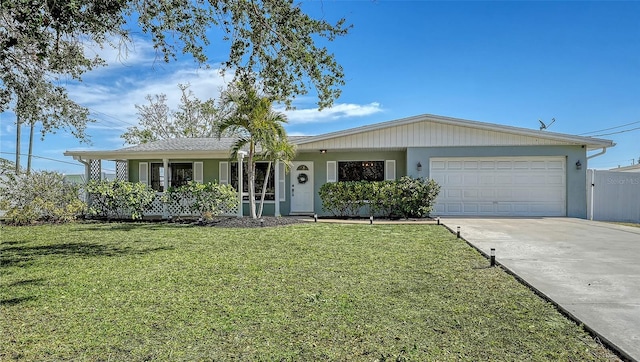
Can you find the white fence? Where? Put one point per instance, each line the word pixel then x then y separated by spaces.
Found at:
pixel 613 196
pixel 159 208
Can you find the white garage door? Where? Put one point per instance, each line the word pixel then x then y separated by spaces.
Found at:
pixel 504 186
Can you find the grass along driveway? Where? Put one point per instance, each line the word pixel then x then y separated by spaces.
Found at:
pixel 302 292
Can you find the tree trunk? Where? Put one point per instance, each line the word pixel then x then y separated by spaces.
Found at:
pixel 264 189
pixel 252 181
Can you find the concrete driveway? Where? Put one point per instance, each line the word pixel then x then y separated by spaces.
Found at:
pixel 591 269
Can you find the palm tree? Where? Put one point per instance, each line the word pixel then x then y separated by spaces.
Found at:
pixel 258 126
pixel 277 150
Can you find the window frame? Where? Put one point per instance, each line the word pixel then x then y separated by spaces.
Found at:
pixel 172 174
pixel 380 164
pixel 270 197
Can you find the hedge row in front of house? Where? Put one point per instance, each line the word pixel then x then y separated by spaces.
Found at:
pixel 44 196
pixel 403 198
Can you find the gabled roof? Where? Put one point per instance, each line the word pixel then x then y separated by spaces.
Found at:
pixel 543 137
pixel 418 131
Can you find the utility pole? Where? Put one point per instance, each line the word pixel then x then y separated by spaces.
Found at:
pixel 30 149
pixel 18 144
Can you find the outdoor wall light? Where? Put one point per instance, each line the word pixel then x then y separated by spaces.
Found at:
pixel 578 165
pixel 323 151
pixel 419 166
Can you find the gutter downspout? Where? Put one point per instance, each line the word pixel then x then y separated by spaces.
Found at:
pixel 604 150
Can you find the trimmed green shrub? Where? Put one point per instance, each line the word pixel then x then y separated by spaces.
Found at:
pixel 119 199
pixel 407 197
pixel 416 196
pixel 39 196
pixel 206 200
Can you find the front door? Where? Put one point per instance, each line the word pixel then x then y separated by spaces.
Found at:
pixel 302 187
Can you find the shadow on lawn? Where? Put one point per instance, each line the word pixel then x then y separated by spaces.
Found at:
pixel 14 301
pixel 17 285
pixel 24 255
pixel 126 225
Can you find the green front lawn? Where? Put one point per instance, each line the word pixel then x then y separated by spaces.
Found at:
pixel 303 292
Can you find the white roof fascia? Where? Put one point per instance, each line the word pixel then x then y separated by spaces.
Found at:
pixel 141 155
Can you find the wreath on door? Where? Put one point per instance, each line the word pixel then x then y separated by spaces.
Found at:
pixel 303 178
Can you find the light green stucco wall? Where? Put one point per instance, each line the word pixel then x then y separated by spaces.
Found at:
pixel 320 170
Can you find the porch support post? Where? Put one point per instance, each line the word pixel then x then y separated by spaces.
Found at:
pixel 87 175
pixel 87 170
pixel 276 182
pixel 241 155
pixel 165 186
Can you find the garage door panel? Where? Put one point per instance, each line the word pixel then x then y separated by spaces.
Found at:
pixel 504 180
pixel 438 165
pixel 487 165
pixel 470 165
pixel 503 194
pixel 555 180
pixel 454 194
pixel 504 165
pixel 555 165
pixel 486 208
pixel 539 165
pixel 470 194
pixel 455 179
pixel 470 208
pixel 516 186
pixel 487 179
pixel 487 194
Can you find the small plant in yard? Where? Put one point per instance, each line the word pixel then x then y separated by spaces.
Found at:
pixel 305 292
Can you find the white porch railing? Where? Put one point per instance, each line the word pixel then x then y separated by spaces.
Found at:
pixel 181 209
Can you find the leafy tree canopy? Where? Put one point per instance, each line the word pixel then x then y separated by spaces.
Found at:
pixel 193 118
pixel 42 42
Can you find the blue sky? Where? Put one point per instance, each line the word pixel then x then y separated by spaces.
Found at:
pixel 509 63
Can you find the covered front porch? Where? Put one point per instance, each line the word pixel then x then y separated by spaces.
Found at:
pixel 124 168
